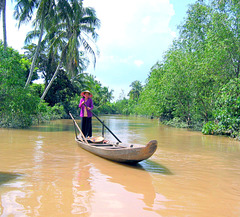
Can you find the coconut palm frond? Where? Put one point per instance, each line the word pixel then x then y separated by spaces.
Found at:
pixel 31 36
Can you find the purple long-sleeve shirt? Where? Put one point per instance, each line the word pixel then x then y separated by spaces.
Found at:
pixel 89 104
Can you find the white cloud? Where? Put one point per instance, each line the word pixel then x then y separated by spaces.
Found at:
pixel 138 62
pixel 133 33
pixel 146 20
pixel 125 21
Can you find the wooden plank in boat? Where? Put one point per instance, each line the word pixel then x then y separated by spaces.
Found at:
pixel 108 146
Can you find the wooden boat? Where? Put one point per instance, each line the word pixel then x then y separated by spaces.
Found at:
pixel 120 152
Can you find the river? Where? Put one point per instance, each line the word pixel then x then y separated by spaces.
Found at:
pixel 43 172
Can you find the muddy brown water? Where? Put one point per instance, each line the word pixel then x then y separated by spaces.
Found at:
pixel 43 172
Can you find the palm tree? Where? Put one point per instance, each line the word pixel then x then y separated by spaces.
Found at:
pixel 107 95
pixel 81 82
pixel 24 11
pixel 136 90
pixel 3 10
pixel 74 29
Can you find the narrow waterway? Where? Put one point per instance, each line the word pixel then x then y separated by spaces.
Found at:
pixel 43 172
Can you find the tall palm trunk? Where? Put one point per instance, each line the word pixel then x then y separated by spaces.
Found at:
pixel 55 74
pixel 36 53
pixel 3 9
pixel 51 81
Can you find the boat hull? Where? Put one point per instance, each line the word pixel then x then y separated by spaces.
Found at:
pixel 124 153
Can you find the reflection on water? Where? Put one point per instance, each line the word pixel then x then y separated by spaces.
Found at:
pixel 99 183
pixel 154 167
pixel 54 126
pixel 7 176
pixel 189 175
pixel 149 166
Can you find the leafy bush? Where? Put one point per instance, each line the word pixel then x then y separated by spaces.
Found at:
pixel 17 105
pixel 209 128
pixel 226 112
pixel 18 108
pixel 57 111
pixel 47 113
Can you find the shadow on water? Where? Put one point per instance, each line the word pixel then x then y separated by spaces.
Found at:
pixel 150 166
pixel 53 127
pixel 6 177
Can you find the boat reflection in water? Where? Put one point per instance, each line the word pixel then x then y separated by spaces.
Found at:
pixel 100 186
pixel 7 177
pixel 153 167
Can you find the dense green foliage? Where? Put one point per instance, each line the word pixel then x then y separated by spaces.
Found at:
pixel 18 106
pixel 197 82
pixel 22 107
pixel 226 111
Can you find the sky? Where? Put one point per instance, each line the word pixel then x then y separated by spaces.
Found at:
pixel 133 36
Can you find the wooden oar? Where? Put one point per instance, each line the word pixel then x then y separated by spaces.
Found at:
pixel 78 128
pixel 103 124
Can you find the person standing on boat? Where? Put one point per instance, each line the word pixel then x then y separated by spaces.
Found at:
pixel 86 105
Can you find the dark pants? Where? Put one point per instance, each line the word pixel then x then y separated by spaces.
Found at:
pixel 86 126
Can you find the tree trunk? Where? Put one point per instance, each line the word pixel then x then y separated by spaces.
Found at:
pixel 4 23
pixel 55 73
pixel 35 54
pixel 51 81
